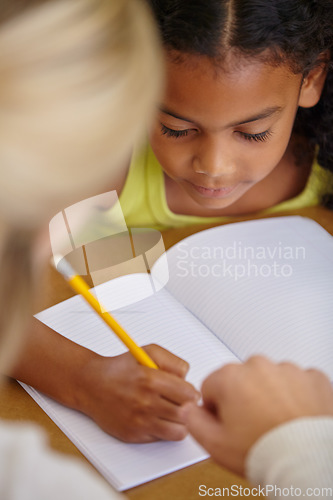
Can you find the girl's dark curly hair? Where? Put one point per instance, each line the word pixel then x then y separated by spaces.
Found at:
pixel 296 32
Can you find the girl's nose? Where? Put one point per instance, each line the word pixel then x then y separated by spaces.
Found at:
pixel 213 158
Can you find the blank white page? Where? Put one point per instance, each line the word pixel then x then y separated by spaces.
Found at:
pixel 159 319
pixel 282 308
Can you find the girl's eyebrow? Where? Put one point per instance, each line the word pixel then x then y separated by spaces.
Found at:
pixel 175 115
pixel 265 113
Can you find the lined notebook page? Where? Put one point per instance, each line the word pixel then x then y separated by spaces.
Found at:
pixel 285 312
pixel 159 319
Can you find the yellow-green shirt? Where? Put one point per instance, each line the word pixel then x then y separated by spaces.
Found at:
pixel 143 199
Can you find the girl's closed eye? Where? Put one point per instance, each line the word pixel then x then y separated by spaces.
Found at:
pixel 261 137
pixel 174 133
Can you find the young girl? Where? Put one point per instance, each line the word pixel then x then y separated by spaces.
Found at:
pixel 246 122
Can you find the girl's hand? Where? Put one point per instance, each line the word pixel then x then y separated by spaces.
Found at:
pixel 135 403
pixel 242 402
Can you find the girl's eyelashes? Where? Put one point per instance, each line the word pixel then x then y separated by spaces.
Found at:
pixel 262 137
pixel 173 133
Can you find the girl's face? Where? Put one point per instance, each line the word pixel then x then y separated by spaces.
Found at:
pixel 219 133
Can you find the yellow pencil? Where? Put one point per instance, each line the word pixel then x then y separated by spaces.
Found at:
pixel 81 287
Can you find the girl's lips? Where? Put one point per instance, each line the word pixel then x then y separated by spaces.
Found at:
pixel 213 193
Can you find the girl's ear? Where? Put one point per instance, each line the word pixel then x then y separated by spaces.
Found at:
pixel 312 86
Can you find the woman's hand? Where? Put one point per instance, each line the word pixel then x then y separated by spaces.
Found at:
pixel 244 401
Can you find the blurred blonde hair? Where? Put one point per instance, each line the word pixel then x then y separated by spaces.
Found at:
pixel 79 82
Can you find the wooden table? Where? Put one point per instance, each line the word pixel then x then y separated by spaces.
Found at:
pixel 15 404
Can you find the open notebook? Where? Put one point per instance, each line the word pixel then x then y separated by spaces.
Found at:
pixel 253 287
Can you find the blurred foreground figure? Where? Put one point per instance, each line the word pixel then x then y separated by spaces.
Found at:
pixel 75 94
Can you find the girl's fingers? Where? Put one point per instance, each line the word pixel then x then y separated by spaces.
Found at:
pixel 167 361
pixel 166 430
pixel 174 389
